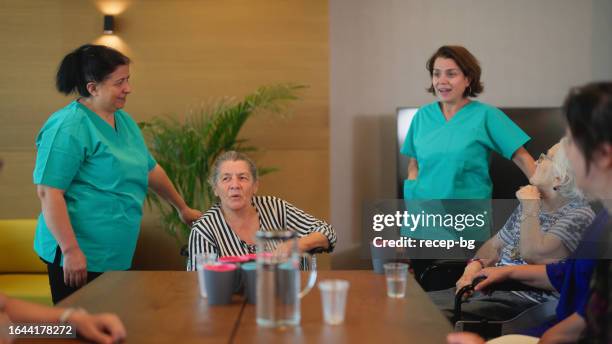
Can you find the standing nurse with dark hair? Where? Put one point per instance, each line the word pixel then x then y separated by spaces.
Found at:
pixel 92 172
pixel 450 140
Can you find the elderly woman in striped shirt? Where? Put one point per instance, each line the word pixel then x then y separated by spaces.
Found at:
pixel 228 228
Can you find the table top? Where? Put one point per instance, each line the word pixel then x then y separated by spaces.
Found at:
pixel 371 316
pixel 165 307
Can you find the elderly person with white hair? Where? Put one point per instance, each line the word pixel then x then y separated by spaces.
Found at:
pixel 546 227
pixel 228 228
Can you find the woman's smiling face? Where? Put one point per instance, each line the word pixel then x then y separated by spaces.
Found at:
pixel 448 80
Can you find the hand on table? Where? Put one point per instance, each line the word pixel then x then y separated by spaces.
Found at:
pixel 100 328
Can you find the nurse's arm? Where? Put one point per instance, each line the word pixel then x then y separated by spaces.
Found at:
pixel 55 213
pixel 161 185
pixel 413 169
pixel 568 330
pixel 524 161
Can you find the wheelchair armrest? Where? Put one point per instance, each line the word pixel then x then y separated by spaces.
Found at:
pixel 316 250
pixel 451 270
pixel 486 329
pixel 504 286
pixel 184 251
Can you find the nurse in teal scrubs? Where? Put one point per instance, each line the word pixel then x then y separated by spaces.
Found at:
pixel 450 140
pixel 449 143
pixel 92 173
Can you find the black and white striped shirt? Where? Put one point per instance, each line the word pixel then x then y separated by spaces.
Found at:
pixel 212 234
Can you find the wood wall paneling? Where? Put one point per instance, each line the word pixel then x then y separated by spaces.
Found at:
pixel 185 52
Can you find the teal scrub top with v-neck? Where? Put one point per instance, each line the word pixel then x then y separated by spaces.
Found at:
pixel 104 174
pixel 453 155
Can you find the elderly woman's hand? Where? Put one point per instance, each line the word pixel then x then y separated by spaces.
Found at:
pixel 468 276
pixel 530 199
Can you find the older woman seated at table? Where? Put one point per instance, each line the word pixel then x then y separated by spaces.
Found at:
pixel 546 227
pixel 228 228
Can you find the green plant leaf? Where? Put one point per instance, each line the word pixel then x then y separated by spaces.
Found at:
pixel 186 149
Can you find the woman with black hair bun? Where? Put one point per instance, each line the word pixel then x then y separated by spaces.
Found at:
pixel 92 172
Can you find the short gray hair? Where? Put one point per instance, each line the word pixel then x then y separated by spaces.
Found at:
pixel 563 170
pixel 231 156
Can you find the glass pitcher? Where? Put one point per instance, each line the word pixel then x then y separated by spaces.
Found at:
pixel 278 278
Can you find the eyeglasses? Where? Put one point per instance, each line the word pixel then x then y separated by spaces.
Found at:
pixel 543 157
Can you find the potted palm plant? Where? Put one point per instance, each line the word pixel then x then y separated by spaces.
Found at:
pixel 186 149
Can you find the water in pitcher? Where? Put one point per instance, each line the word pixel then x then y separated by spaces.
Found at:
pixel 278 303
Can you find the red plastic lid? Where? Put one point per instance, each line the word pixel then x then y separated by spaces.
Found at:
pixel 266 254
pixel 220 267
pixel 251 256
pixel 234 259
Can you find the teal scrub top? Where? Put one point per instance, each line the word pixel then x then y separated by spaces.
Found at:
pixel 104 174
pixel 453 156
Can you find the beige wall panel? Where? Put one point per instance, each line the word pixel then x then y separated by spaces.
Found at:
pixel 185 53
pixel 531 52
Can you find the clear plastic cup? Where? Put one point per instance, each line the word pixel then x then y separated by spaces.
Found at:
pixel 201 260
pixel 333 299
pixel 396 274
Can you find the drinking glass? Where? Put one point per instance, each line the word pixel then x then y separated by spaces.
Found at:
pixel 333 300
pixel 201 260
pixel 396 274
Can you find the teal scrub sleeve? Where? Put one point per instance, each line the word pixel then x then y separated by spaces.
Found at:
pixel 505 136
pixel 150 161
pixel 408 146
pixel 59 156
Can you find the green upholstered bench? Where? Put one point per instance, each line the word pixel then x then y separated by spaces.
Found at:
pixel 22 273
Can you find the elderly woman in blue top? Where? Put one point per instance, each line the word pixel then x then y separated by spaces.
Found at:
pixel 449 141
pixel 92 172
pixel 546 227
pixel 228 228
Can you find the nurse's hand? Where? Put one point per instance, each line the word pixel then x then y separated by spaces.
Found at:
pixel 75 267
pixel 530 198
pixel 188 215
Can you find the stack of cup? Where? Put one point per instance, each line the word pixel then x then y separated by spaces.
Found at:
pixel 220 280
pixel 234 259
pixel 249 277
pixel 238 261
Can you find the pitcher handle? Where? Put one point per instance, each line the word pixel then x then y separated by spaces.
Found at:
pixel 312 276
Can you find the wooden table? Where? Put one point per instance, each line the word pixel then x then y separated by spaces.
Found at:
pixel 165 307
pixel 371 316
